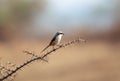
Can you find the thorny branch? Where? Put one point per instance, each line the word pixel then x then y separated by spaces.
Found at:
pixel 6 69
pixel 33 55
pixel 38 58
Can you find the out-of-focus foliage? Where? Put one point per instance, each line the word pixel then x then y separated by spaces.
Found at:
pixel 16 14
pixel 19 10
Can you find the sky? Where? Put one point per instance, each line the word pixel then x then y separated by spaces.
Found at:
pixel 60 13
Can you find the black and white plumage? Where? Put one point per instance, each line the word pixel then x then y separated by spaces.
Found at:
pixel 56 40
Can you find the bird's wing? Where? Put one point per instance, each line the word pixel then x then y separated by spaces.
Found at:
pixel 52 40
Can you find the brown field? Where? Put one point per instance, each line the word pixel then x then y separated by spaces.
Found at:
pixel 95 61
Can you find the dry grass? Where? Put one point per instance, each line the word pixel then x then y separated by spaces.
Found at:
pixel 96 61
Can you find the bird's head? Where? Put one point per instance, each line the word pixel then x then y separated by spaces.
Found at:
pixel 60 33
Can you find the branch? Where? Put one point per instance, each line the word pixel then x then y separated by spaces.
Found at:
pixel 40 57
pixel 33 55
pixel 6 69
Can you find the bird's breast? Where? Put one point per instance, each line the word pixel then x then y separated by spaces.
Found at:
pixel 58 39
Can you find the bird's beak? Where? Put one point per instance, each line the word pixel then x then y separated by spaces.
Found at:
pixel 63 33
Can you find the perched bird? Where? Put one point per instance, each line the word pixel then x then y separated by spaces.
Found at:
pixel 56 40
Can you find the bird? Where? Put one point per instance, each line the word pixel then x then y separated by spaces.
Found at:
pixel 55 40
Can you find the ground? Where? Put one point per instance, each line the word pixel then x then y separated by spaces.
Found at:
pixel 93 61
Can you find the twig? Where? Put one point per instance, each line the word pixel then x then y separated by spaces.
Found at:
pixel 39 58
pixel 32 54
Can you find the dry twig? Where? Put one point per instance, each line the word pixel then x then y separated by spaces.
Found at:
pixel 38 58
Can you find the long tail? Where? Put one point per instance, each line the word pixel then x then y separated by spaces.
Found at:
pixel 45 48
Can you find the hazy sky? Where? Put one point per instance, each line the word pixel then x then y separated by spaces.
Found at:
pixel 73 12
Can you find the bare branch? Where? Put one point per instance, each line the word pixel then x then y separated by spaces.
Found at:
pixel 39 57
pixel 6 69
pixel 33 55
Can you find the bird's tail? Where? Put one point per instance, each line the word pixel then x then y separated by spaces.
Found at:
pixel 45 48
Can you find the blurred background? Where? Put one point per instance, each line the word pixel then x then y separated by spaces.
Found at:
pixel 30 25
